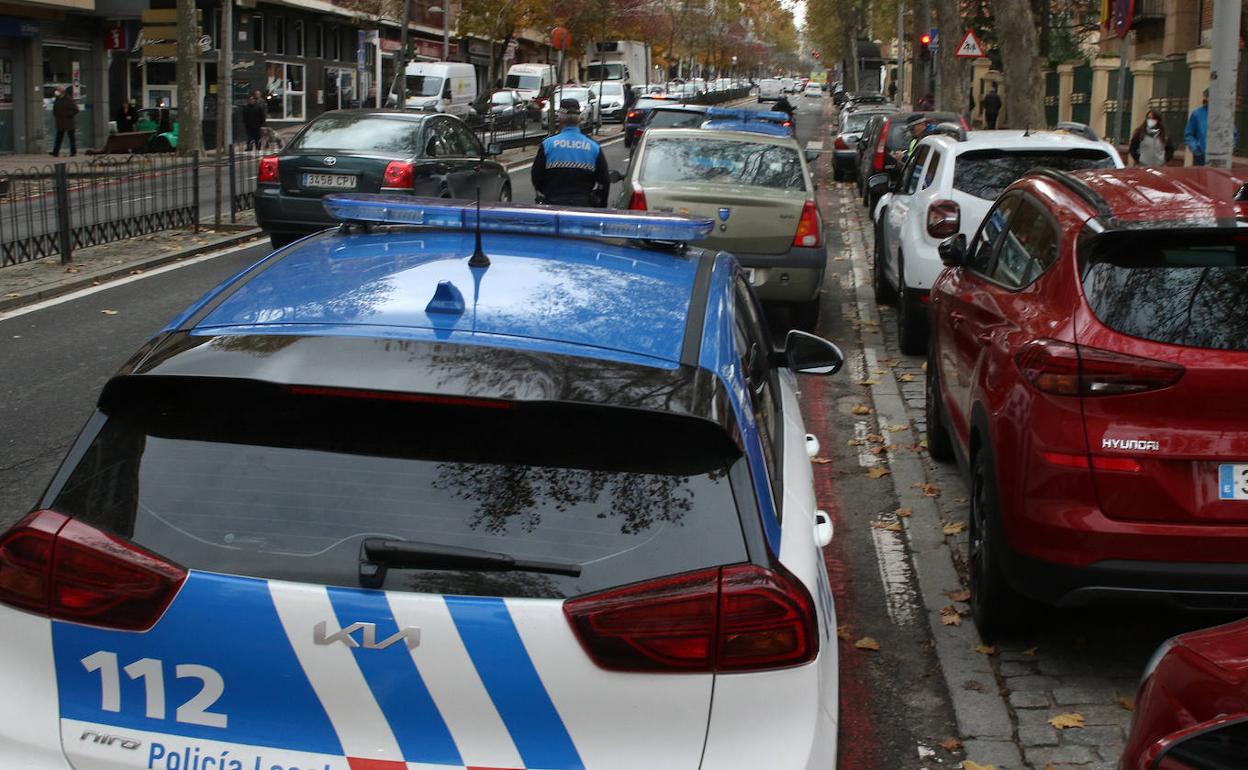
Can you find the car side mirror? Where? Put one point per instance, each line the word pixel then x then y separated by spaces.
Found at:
pixel 807 353
pixel 1204 745
pixel 879 184
pixel 952 251
pixel 615 176
pixel 493 149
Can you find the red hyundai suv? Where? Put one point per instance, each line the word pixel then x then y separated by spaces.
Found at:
pixel 1089 368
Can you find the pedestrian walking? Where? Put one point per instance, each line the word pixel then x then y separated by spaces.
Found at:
pixel 992 107
pixel 630 97
pixel 64 108
pixel 1198 130
pixel 892 90
pixel 570 168
pixel 253 120
pixel 126 117
pixel 1150 146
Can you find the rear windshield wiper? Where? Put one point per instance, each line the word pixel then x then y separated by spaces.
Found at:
pixel 379 553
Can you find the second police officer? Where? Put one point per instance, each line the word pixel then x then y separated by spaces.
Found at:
pixel 570 168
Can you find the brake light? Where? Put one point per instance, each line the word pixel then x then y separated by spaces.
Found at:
pixel 638 201
pixel 65 569
pixel 807 226
pixel 1065 369
pixel 399 175
pixel 840 144
pixel 738 618
pixel 632 114
pixel 268 169
pixel 944 218
pixel 394 395
pixel 880 147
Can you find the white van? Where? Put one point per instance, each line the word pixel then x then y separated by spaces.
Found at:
pixel 440 86
pixel 531 80
pixel 770 90
pixel 789 84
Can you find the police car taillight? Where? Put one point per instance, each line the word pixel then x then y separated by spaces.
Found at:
pixel 738 618
pixel 807 227
pixel 268 170
pixel 62 568
pixel 399 175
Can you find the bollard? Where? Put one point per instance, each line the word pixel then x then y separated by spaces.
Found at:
pixel 60 184
pixel 195 193
pixel 233 206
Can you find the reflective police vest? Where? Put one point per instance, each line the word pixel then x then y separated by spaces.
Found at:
pixel 570 149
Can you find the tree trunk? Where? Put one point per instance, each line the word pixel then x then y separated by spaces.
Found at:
pixel 189 127
pixel 1020 60
pixel 953 71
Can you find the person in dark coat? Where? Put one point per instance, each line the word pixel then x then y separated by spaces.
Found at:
pixel 125 118
pixel 63 111
pixel 992 107
pixel 253 120
pixel 570 168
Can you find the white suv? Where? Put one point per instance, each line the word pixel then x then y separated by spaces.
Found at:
pixel 946 187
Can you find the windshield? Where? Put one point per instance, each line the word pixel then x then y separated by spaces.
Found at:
pixel 609 89
pixel 986 173
pixel 424 85
pixel 524 82
pixel 501 97
pixel 604 72
pixel 579 94
pixel 337 132
pixel 855 122
pixel 722 161
pixel 661 118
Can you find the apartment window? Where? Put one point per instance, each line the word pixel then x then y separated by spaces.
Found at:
pixel 332 44
pixel 285 93
pixel 318 41
pixel 257 31
pixel 298 42
pixel 279 35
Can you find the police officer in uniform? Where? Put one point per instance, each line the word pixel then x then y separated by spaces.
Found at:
pixel 570 168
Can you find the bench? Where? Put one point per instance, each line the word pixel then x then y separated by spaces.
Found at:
pixel 130 141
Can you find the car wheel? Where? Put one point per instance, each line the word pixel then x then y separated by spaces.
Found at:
pixel 884 292
pixel 911 320
pixel 281 239
pixel 994 604
pixel 837 175
pixel 805 315
pixel 939 443
pixel 504 195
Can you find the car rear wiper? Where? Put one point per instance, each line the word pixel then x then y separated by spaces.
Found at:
pixel 379 553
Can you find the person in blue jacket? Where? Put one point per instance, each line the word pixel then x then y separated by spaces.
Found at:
pixel 1197 130
pixel 570 168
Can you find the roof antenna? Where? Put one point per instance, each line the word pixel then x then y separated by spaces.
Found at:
pixel 479 259
pixel 1027 132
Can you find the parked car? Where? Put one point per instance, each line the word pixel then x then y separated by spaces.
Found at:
pixel 770 90
pixel 759 191
pixel 635 119
pixel 370 151
pixel 1192 709
pixel 591 118
pixel 946 188
pixel 884 144
pixel 504 108
pixel 1088 358
pixel 369 504
pixel 848 131
pixel 610 98
pixel 855 101
pixel 674 115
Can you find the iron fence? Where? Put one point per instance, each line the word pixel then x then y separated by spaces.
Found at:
pixel 53 210
pixel 244 167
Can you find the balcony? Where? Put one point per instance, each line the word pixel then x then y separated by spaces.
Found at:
pixel 1149 11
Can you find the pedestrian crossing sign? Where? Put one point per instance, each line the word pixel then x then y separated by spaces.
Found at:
pixel 969 48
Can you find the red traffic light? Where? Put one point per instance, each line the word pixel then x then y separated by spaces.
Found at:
pixel 925 38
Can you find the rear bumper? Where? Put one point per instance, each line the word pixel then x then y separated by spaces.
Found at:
pixel 279 213
pixel 845 160
pixel 794 276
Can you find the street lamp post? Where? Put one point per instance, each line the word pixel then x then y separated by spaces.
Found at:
pixel 446 28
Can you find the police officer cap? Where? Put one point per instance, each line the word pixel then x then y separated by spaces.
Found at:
pixel 569 105
pixel 915 120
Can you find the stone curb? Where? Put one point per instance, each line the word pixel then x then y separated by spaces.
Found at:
pixel 981 712
pixel 82 282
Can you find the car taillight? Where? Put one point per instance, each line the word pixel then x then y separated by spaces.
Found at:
pixel 944 217
pixel 880 148
pixel 632 114
pixel 1065 369
pixel 738 618
pixel 807 226
pixel 638 201
pixel 399 175
pixel 65 569
pixel 268 169
pixel 840 144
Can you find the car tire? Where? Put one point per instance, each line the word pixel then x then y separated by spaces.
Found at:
pixel 939 443
pixel 912 327
pixel 885 294
pixel 278 240
pixel 805 315
pixel 504 195
pixel 995 605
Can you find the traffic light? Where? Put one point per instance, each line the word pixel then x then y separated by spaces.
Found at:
pixel 925 46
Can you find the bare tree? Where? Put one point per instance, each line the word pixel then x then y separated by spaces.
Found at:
pixel 1020 58
pixel 189 141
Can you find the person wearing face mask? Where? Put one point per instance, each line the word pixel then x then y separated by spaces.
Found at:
pixel 1149 144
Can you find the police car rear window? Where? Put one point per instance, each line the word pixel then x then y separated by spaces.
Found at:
pixel 661 118
pixel 1182 288
pixel 700 159
pixel 282 486
pixel 986 173
pixel 342 131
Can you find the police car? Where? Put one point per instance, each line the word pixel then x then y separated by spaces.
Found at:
pixel 523 488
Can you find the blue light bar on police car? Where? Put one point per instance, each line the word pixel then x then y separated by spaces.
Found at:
pixel 742 114
pixel 444 214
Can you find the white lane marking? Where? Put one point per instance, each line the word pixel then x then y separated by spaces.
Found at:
pixel 895 573
pixel 73 295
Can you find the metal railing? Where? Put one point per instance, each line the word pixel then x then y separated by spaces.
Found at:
pixel 52 210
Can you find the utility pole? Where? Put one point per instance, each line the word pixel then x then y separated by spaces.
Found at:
pixel 446 30
pixel 901 51
pixel 401 76
pixel 1124 49
pixel 923 72
pixel 1220 140
pixel 189 127
pixel 225 95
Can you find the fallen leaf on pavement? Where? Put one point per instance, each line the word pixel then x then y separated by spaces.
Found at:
pixel 959 596
pixel 906 378
pixel 959 499
pixel 895 428
pixel 855 442
pixel 860 409
pixel 12 294
pixel 842 632
pixel 971 684
pixel 820 460
pixel 928 490
pixel 922 444
pixel 1126 702
pixel 1067 721
pixel 951 744
pixel 874 438
pixel 878 472
pixel 72 270
pixel 950 617
pixel 881 449
pixel 869 382
pixel 867 643
pixel 136 271
pixel 1031 651
pixel 954 528
pixel 109 312
pixel 925 366
pixel 985 649
pixel 903 512
pixel 969 765
pixel 891 527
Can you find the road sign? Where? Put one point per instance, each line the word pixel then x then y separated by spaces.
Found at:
pixel 969 48
pixel 935 44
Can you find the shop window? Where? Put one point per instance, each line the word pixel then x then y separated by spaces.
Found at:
pixel 257 31
pixel 279 35
pixel 297 44
pixel 285 93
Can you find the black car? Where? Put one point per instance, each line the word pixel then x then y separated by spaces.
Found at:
pixel 636 117
pixel 676 116
pixel 848 131
pixel 872 98
pixel 503 108
pixel 883 145
pixel 428 155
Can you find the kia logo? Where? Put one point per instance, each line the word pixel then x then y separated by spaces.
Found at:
pixel 368 637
